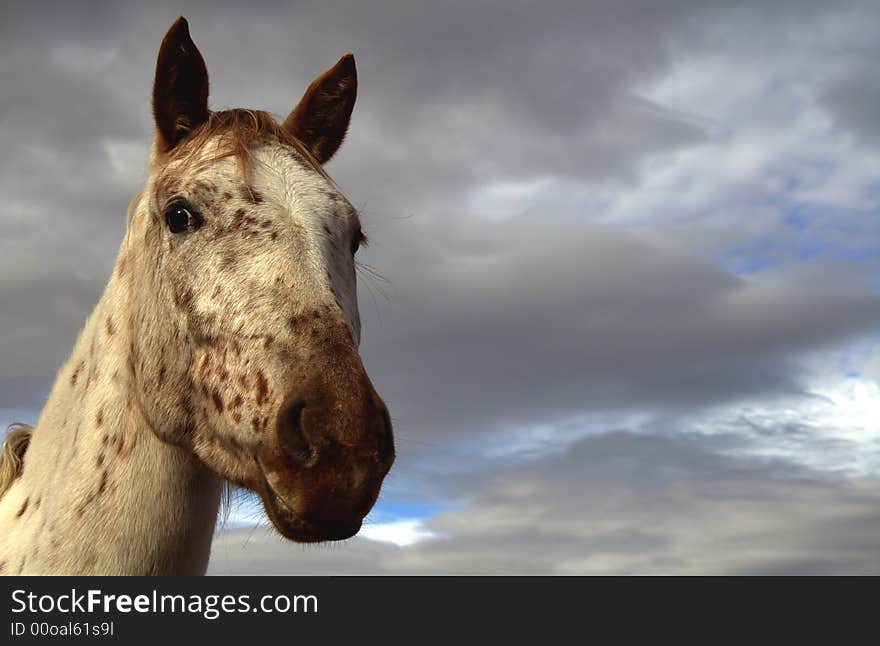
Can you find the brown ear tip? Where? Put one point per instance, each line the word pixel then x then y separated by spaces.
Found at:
pixel 180 27
pixel 346 63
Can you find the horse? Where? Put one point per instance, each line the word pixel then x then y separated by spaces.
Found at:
pixel 223 351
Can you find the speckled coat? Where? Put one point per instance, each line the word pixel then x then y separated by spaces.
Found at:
pixel 224 348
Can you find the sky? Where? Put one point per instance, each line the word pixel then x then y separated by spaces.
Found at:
pixel 622 291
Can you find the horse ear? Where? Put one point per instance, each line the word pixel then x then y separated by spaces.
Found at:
pixel 321 118
pixel 180 91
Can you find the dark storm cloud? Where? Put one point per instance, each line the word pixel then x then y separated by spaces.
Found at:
pixel 854 93
pixel 616 504
pixel 856 100
pixel 548 319
pixel 39 325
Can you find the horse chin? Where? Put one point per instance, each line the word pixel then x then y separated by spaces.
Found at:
pixel 292 526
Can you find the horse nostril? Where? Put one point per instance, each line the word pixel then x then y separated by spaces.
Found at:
pixel 386 439
pixel 290 432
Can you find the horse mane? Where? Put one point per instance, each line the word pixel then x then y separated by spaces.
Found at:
pixel 18 438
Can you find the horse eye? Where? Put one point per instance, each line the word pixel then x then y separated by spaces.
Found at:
pixel 356 240
pixel 179 219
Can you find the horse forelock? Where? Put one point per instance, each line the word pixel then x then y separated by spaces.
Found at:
pixel 233 133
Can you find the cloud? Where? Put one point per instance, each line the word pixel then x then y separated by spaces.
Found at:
pixel 619 503
pixel 400 532
pixel 494 333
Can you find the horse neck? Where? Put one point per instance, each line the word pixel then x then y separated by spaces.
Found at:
pixel 99 492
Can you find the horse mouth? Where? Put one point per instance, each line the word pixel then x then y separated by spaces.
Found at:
pixel 292 526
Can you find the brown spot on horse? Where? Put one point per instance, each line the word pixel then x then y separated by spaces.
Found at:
pixel 262 388
pixel 76 371
pixel 218 401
